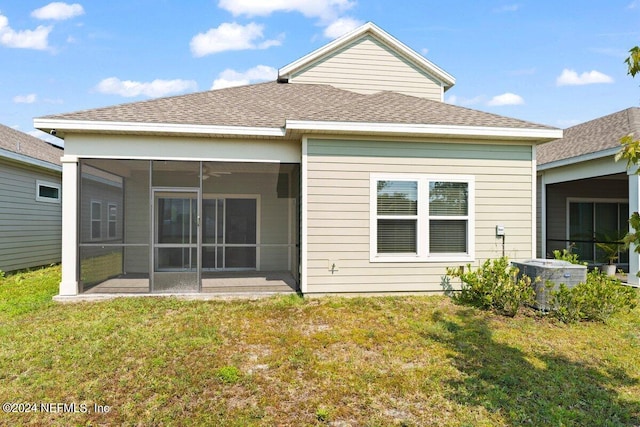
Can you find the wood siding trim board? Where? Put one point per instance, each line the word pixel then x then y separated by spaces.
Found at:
pixel 338 222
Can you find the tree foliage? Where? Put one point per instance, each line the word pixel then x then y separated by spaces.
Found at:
pixel 630 151
pixel 633 61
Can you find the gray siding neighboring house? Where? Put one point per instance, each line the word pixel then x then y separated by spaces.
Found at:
pixel 584 195
pixel 313 178
pixel 30 201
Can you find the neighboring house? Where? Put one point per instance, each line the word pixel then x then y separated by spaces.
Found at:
pixel 584 195
pixel 347 175
pixel 30 201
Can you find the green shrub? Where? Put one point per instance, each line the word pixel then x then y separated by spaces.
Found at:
pixel 597 299
pixel 568 255
pixel 493 286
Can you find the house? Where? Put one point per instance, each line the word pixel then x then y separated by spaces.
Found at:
pixel 584 195
pixel 30 196
pixel 349 174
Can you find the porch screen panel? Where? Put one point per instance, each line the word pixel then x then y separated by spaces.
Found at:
pixel 173 174
pixel 606 226
pixel 623 213
pixel 581 229
pixel 240 232
pixel 113 212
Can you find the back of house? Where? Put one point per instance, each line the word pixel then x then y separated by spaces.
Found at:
pixel 349 174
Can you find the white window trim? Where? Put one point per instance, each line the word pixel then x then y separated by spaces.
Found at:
pixel 91 220
pixel 422 254
pixel 39 198
pixel 112 221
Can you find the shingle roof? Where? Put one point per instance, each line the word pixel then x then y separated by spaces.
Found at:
pixel 591 137
pixel 21 143
pixel 393 107
pixel 271 104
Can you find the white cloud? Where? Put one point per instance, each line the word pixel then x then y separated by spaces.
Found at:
pixel 230 36
pixel 154 89
pixel 25 99
pixel 58 11
pixel 507 8
pixel 325 9
pixel 340 27
pixel 456 100
pixel 506 99
pixel 25 39
pixel 229 78
pixel 634 4
pixel 571 78
pixel 329 12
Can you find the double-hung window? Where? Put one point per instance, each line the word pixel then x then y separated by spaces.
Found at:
pixel 96 220
pixel 113 220
pixel 422 217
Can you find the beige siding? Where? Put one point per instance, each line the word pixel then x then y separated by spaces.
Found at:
pixel 31 230
pixel 367 66
pixel 338 208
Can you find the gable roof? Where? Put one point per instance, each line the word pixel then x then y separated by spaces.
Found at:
pixel 28 149
pixel 383 37
pixel 600 136
pixel 279 110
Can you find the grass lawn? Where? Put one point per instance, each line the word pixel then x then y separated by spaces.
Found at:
pixel 406 361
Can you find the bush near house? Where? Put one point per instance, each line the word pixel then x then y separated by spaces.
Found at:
pixel 495 286
pixel 597 299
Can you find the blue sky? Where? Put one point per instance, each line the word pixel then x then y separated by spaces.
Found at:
pixel 554 62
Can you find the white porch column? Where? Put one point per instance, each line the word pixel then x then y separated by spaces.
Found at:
pixel 634 206
pixel 69 283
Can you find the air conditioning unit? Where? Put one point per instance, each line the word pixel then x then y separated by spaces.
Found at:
pixel 551 273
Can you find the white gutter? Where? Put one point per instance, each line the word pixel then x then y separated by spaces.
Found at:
pixel 30 160
pixel 425 129
pixel 60 125
pixel 579 159
pixel 165 128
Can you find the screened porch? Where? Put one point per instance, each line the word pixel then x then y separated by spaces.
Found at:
pixel 187 227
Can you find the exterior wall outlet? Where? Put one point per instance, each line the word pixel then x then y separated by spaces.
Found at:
pixel 333 266
pixel 499 230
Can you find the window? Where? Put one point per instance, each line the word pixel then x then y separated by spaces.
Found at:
pixel 112 220
pixel 96 220
pixel 600 220
pixel 421 218
pixel 47 192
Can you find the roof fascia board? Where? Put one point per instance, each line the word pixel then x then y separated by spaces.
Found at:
pixel 29 160
pixel 425 129
pixel 579 159
pixel 446 78
pixel 172 128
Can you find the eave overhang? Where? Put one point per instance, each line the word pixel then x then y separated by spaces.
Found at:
pixel 298 127
pixel 610 152
pixel 426 130
pixel 17 157
pixel 61 126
